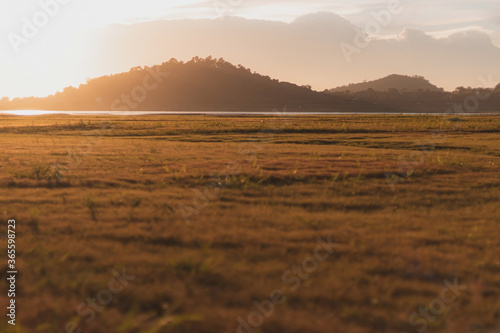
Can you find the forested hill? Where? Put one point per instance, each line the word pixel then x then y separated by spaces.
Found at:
pixel 398 82
pixel 197 85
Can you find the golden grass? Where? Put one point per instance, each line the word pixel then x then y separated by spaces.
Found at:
pixel 92 194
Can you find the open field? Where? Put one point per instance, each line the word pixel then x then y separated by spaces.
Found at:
pixel 211 214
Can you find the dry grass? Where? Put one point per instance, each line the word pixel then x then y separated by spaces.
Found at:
pixel 92 194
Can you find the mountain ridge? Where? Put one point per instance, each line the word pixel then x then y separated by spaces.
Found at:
pixel 213 84
pixel 208 84
pixel 393 81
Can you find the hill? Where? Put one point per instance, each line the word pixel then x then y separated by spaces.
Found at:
pixel 399 82
pixel 216 85
pixel 198 85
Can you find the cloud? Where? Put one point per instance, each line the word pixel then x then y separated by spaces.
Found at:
pixel 322 27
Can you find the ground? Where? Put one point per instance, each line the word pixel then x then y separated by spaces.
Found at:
pixel 270 224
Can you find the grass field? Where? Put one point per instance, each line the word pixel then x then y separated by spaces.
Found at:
pixel 217 219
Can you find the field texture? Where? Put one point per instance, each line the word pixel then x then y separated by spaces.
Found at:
pixel 270 224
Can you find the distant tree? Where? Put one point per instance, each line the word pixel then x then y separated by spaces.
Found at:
pixel 70 90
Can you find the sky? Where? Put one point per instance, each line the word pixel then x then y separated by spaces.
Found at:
pixel 321 43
